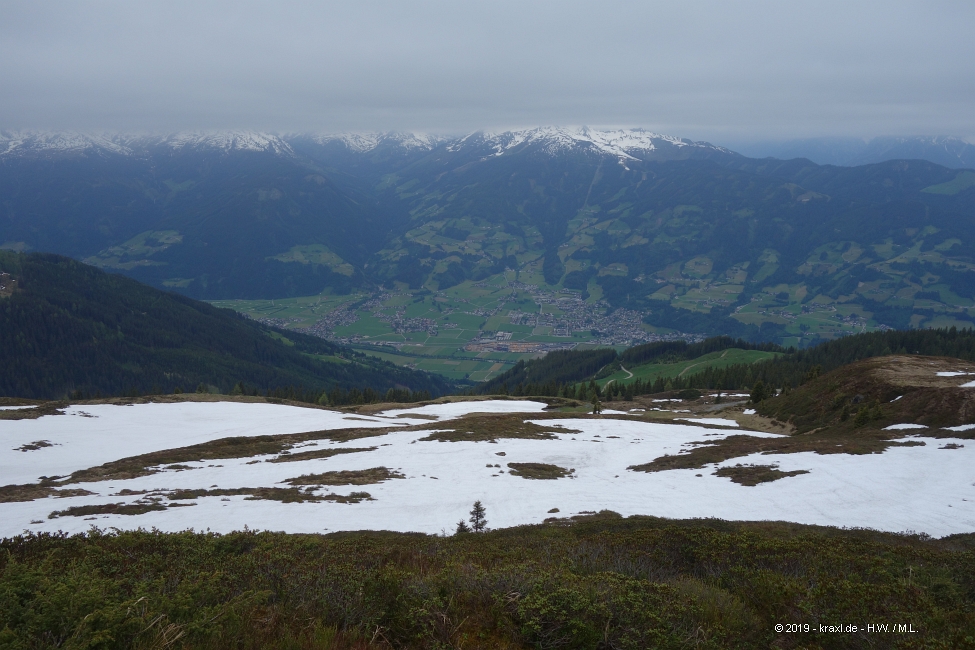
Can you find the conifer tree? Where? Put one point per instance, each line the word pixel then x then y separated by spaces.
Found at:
pixel 758 392
pixel 478 522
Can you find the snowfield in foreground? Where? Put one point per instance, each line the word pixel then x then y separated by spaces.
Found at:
pixel 927 488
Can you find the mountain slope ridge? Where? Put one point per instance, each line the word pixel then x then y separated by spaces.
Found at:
pixel 66 326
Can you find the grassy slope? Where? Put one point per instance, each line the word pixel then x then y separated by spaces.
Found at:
pixel 721 359
pixel 889 390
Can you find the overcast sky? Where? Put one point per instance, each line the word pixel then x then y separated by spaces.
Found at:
pixel 708 69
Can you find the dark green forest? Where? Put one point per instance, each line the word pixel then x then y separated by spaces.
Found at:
pixel 559 367
pixel 671 351
pixel 69 328
pixel 788 370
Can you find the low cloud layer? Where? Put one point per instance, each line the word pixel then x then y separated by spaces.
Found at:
pixel 708 69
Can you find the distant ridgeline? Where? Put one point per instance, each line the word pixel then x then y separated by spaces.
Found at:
pixel 67 328
pixel 693 236
pixel 575 374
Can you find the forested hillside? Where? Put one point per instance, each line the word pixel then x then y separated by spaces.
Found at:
pixel 68 327
pixel 681 350
pixel 560 367
pixel 789 369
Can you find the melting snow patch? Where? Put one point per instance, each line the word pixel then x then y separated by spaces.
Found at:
pixel 452 410
pixel 954 373
pixel 914 487
pixel 961 427
pixel 16 408
pixel 898 427
pixel 749 411
pixel 970 384
pixel 896 398
pixel 720 422
pixel 106 432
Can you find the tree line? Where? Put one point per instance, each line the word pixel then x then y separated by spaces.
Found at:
pixel 789 370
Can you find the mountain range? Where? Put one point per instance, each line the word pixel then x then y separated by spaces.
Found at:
pixel 694 236
pixel 948 151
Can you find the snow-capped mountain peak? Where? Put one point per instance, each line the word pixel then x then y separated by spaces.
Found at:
pixel 365 142
pixel 46 142
pixel 229 141
pixel 68 142
pixel 625 144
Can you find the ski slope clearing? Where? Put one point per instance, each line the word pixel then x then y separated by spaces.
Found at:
pixel 386 471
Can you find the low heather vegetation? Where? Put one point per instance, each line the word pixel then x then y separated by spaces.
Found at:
pixel 594 582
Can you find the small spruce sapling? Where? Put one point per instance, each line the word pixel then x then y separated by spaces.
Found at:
pixel 478 522
pixel 759 392
pixel 462 527
pixel 597 406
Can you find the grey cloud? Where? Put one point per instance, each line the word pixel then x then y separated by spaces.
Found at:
pixel 706 69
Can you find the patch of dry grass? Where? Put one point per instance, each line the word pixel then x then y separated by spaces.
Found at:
pixel 479 428
pixel 539 471
pixel 108 509
pixel 738 446
pixel 20 493
pixel 347 477
pixel 42 409
pixel 288 457
pixel 754 474
pixel 284 495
